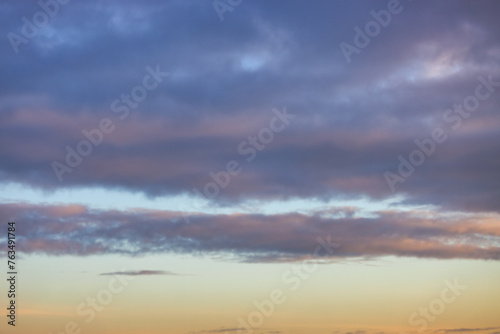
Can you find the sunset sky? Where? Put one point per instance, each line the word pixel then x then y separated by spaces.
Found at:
pixel 251 166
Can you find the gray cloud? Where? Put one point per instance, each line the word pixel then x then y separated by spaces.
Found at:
pixel 77 230
pixel 353 121
pixel 141 273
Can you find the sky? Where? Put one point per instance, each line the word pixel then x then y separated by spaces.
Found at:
pixel 251 166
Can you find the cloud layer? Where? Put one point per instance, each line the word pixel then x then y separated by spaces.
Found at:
pixel 77 230
pixel 353 121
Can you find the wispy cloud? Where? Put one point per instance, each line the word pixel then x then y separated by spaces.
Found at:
pixel 222 330
pixel 231 330
pixel 462 330
pixel 141 273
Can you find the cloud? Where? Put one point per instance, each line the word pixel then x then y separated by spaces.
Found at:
pixel 229 330
pixel 254 237
pixel 353 121
pixel 141 273
pixel 460 330
pixel 222 330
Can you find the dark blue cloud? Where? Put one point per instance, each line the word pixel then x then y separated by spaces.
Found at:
pixel 353 122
